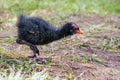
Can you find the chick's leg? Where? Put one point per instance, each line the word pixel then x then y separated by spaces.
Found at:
pixel 34 49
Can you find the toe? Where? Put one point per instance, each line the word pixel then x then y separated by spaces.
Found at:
pixel 41 60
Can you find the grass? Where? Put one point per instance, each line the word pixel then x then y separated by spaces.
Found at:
pixel 19 69
pixel 110 44
pixel 12 74
pixel 15 7
pixel 105 41
pixel 10 40
pixel 92 58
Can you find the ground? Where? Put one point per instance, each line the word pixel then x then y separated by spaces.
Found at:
pixel 95 55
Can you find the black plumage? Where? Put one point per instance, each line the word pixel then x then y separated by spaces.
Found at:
pixel 34 31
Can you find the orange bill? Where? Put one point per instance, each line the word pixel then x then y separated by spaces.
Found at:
pixel 79 31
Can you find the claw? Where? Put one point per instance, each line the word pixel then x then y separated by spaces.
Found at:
pixel 34 56
pixel 41 60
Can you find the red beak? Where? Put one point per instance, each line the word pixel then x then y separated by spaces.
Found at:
pixel 79 31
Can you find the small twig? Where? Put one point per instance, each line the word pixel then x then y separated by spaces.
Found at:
pixel 7 36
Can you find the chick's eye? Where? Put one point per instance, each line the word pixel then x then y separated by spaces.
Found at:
pixel 77 28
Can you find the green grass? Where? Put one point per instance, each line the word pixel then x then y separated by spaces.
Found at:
pixel 61 8
pixel 9 40
pixel 92 58
pixel 110 44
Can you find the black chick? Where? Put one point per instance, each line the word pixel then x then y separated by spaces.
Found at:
pixel 34 31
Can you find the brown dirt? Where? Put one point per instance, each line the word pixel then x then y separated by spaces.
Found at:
pixel 68 55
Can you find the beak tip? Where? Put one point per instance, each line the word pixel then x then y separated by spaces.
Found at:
pixel 82 32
